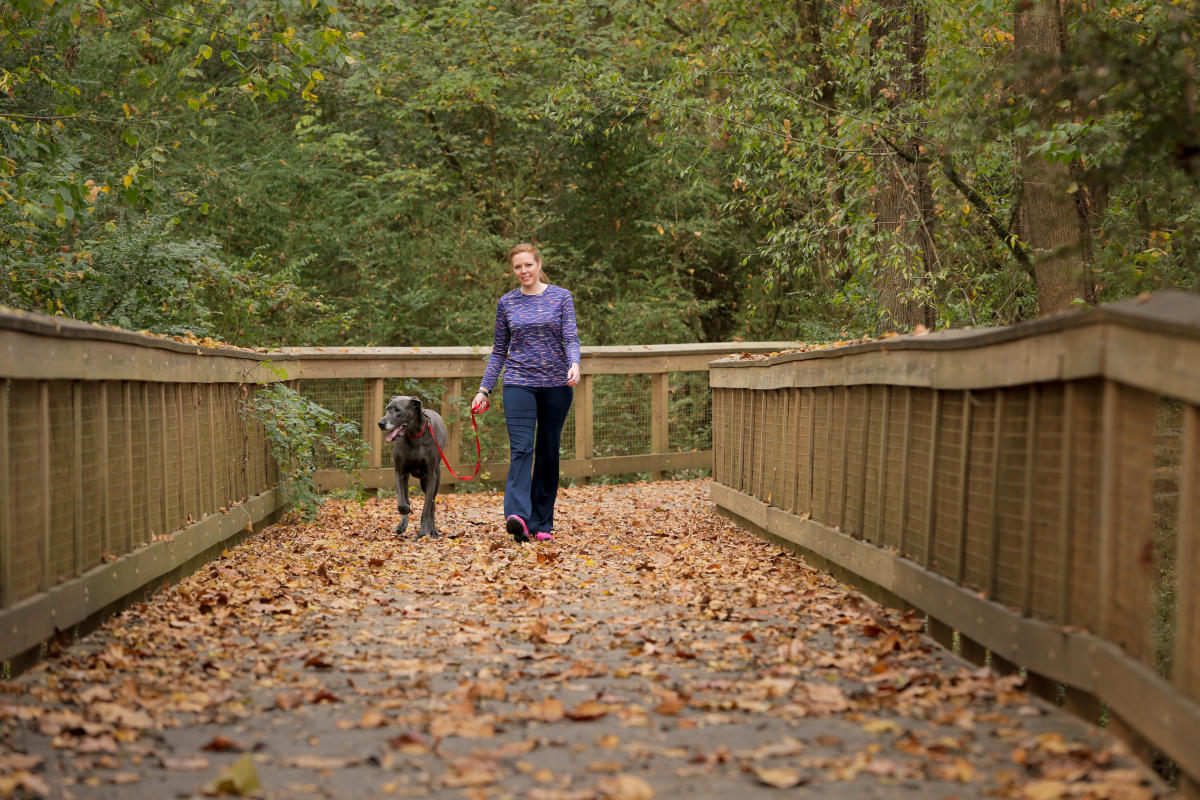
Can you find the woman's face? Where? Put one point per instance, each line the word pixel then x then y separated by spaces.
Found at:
pixel 527 269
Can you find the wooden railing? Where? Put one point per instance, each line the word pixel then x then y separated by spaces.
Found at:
pixel 124 457
pixel 1032 488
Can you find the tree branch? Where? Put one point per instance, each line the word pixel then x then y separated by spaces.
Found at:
pixel 946 162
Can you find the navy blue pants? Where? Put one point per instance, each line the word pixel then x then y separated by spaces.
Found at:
pixel 535 417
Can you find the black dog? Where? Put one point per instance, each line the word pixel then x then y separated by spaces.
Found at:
pixel 414 430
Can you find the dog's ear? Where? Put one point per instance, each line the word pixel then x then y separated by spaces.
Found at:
pixel 416 401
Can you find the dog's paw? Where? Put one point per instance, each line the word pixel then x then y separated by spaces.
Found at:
pixel 433 534
pixel 402 527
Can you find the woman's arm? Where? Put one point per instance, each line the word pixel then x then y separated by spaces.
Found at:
pixel 570 336
pixel 500 342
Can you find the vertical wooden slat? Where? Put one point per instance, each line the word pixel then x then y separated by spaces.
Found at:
pixel 1066 505
pixel 148 494
pixel 105 488
pixel 165 453
pixel 1027 544
pixel 199 463
pixel 797 455
pixel 6 525
pixel 931 497
pixel 181 456
pixel 43 467
pixel 827 516
pixel 787 436
pixel 760 448
pixel 905 452
pixel 812 449
pixel 372 410
pixel 884 446
pixel 127 462
pixel 964 485
pixel 214 431
pixel 993 542
pixel 1187 566
pixel 77 480
pixel 660 398
pixel 843 522
pixel 860 528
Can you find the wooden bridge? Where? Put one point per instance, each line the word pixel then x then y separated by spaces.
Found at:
pixel 1033 491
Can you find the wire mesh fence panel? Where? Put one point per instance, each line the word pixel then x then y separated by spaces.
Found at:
pixel 875 475
pixel 854 479
pixel 90 483
pixel 63 474
pixel 1168 464
pixel 1010 498
pixel 920 476
pixel 134 459
pixel 821 470
pixel 621 415
pixel 949 472
pixel 689 423
pixel 121 536
pixel 1046 484
pixel 25 489
pixel 977 560
pixel 345 398
pixel 1084 503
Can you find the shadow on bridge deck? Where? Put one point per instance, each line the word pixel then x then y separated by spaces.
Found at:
pixel 651 650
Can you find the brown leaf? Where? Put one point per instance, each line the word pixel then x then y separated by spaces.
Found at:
pixel 588 710
pixel 778 777
pixel 222 744
pixel 624 787
pixel 286 702
pixel 410 743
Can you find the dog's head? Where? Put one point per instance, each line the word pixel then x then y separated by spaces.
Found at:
pixel 402 412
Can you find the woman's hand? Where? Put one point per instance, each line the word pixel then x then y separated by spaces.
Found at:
pixel 481 403
pixel 573 375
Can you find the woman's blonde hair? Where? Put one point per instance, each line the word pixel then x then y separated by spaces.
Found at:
pixel 526 247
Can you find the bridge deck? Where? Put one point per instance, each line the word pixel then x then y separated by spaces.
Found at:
pixel 652 649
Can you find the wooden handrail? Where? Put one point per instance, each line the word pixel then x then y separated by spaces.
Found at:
pixel 1008 482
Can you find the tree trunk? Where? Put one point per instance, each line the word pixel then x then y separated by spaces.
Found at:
pixel 903 202
pixel 1050 220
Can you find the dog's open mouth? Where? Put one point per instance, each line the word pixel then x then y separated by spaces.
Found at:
pixel 395 432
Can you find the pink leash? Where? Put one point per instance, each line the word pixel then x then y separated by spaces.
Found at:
pixel 478 449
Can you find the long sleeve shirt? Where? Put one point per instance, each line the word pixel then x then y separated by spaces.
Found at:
pixel 536 340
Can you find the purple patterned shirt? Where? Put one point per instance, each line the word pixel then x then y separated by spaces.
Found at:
pixel 536 339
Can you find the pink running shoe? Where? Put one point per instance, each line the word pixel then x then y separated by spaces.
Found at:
pixel 544 536
pixel 517 528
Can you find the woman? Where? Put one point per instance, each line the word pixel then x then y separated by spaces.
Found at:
pixel 537 347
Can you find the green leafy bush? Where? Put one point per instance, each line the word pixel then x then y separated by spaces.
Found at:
pixel 302 435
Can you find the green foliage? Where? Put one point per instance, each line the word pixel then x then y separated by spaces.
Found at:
pixel 304 435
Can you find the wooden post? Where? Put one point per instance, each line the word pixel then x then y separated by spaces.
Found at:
pixel 964 484
pixel 43 467
pixel 583 420
pixel 931 502
pixel 372 410
pixel 77 482
pixel 6 526
pixel 1066 506
pixel 660 403
pixel 1027 542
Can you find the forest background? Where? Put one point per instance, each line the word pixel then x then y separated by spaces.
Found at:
pixel 297 173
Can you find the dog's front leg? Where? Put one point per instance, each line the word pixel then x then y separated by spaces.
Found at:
pixel 402 501
pixel 429 485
